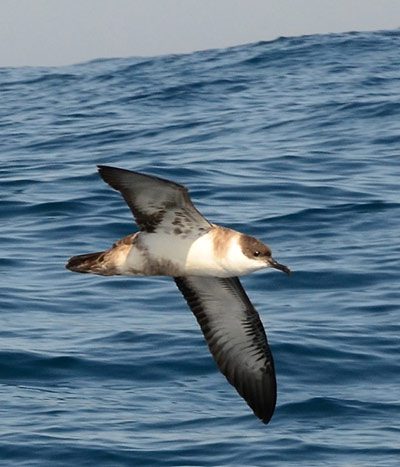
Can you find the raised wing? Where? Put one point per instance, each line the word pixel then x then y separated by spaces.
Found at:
pixel 156 204
pixel 235 337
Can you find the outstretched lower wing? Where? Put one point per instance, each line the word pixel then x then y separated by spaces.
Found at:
pixel 235 337
pixel 156 204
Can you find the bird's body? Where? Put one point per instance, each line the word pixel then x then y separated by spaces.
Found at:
pixel 214 253
pixel 204 259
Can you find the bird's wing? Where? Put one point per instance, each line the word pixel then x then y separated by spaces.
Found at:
pixel 156 204
pixel 235 337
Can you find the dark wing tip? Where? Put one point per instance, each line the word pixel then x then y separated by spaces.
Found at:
pixel 258 390
pixel 111 175
pixel 269 400
pixel 104 168
pixel 107 174
pixel 120 178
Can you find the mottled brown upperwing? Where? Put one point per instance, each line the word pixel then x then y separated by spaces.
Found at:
pixel 156 204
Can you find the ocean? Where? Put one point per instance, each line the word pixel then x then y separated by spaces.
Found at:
pixel 294 141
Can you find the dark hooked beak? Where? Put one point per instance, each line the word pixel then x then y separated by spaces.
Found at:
pixel 274 264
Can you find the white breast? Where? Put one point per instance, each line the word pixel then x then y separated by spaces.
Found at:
pixel 219 253
pixel 202 260
pixel 186 255
pixel 216 253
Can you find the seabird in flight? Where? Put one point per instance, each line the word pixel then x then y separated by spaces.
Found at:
pixel 205 261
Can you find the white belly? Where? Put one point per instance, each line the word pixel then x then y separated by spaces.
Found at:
pixel 201 259
pixel 216 253
pixel 171 255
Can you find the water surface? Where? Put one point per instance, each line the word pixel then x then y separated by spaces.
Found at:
pixel 295 141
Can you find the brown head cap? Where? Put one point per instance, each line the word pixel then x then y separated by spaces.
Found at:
pixel 253 248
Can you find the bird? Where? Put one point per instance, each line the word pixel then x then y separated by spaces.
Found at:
pixel 205 260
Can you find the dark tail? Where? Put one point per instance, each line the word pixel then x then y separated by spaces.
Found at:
pixel 89 263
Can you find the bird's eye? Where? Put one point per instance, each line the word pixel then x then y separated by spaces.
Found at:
pixel 256 253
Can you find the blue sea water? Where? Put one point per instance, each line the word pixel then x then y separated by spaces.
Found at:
pixel 295 141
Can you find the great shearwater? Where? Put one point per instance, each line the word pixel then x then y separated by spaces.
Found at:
pixel 204 259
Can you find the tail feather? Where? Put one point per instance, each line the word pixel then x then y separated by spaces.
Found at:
pixel 106 263
pixel 88 263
